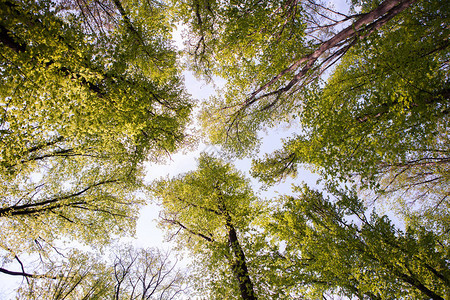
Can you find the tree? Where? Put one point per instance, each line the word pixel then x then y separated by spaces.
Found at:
pixel 380 117
pixel 209 211
pixel 85 91
pixel 268 51
pixel 146 274
pixel 130 274
pixel 77 276
pixel 81 110
pixel 340 247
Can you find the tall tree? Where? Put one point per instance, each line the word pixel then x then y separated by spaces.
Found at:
pixel 303 246
pixel 209 211
pixel 81 110
pixel 382 115
pixel 268 51
pixel 341 247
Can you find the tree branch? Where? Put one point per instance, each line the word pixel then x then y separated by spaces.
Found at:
pixel 24 274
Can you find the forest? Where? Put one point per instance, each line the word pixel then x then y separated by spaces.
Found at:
pixel 93 94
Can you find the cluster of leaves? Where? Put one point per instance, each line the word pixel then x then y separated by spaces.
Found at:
pixel 81 108
pixel 340 246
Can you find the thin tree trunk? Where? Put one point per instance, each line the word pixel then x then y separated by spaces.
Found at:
pixel 239 266
pixel 238 263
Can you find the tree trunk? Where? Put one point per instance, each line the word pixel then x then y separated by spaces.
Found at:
pixel 239 266
pixel 237 261
pixel 362 27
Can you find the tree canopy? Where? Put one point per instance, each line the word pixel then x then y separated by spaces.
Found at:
pixel 209 210
pixel 369 99
pixel 305 245
pixel 92 92
pixel 339 246
pixel 81 109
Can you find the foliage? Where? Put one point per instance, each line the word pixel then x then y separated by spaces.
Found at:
pixel 382 115
pixel 90 90
pixel 298 246
pixel 80 111
pixel 63 85
pixel 379 118
pixel 246 43
pixel 341 247
pixel 268 53
pixel 209 211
